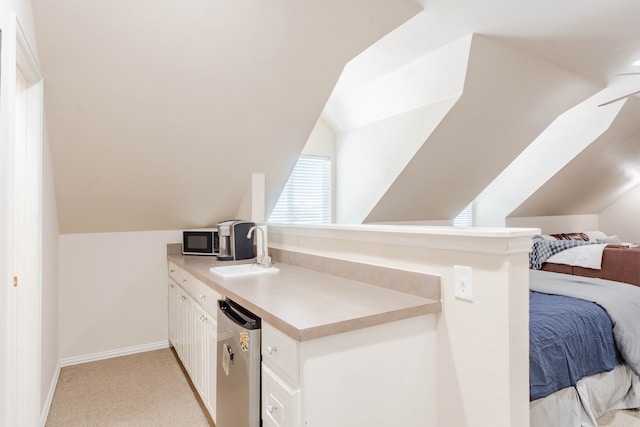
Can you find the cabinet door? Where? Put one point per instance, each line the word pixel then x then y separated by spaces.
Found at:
pixel 210 343
pixel 185 342
pixel 174 314
pixel 281 402
pixel 199 350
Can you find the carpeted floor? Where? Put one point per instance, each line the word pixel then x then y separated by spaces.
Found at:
pixel 627 418
pixel 150 389
pixel 145 389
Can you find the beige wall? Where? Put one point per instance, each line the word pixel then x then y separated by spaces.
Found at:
pixel 621 217
pixel 483 348
pixel 113 293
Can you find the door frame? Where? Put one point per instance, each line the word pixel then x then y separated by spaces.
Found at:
pixel 20 228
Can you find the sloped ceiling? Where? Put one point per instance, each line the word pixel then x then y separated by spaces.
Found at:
pixel 496 117
pixel 508 99
pixel 598 176
pixel 158 111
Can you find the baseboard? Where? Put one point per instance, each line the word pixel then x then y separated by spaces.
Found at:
pixel 114 353
pixel 52 388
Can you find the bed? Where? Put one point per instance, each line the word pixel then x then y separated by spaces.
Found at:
pixel 584 348
pixel 588 254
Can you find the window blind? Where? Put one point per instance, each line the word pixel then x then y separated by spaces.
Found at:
pixel 464 218
pixel 306 198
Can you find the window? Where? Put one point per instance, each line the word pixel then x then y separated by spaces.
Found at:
pixel 306 198
pixel 464 218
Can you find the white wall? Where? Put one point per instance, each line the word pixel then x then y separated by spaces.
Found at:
pixel 322 140
pixel 50 286
pixel 482 346
pixel 558 224
pixel 621 217
pixel 113 293
pixel 566 138
pixel 48 348
pixel 387 121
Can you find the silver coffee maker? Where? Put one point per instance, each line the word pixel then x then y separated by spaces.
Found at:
pixel 234 244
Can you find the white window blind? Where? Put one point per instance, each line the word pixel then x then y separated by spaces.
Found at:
pixel 306 198
pixel 464 218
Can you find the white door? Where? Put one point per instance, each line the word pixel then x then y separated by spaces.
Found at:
pixel 20 228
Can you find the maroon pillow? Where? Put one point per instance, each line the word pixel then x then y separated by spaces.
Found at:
pixel 571 236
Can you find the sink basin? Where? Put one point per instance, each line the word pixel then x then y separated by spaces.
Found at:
pixel 242 270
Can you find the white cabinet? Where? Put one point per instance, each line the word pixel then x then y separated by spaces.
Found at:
pixel 174 313
pixel 376 377
pixel 280 378
pixel 180 328
pixel 280 400
pixel 210 345
pixel 198 374
pixel 193 331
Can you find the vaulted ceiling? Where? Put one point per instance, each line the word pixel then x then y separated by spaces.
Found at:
pixel 159 111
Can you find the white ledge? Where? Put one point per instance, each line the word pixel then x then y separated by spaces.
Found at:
pixel 486 240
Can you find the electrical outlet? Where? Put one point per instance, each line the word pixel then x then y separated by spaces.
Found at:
pixel 462 282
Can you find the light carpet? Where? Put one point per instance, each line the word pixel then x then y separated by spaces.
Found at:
pixel 151 389
pixel 144 389
pixel 621 418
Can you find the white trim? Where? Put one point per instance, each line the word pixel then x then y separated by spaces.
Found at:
pixel 25 58
pixel 492 241
pixel 114 353
pixel 7 252
pixel 29 243
pixel 52 388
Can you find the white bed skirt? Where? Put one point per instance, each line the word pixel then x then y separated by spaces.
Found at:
pixel 592 396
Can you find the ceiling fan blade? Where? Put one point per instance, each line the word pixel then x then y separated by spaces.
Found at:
pixel 620 98
pixel 628 74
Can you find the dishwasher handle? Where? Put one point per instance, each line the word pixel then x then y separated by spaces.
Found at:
pixel 238 314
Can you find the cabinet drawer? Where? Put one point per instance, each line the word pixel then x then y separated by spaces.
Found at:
pixel 280 401
pixel 175 272
pixel 280 352
pixel 201 293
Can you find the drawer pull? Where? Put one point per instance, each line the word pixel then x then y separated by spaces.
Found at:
pixel 271 349
pixel 271 409
pixel 203 297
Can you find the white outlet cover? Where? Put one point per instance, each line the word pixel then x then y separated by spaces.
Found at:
pixel 463 284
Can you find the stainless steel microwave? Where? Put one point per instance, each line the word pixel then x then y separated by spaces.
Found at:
pixel 203 241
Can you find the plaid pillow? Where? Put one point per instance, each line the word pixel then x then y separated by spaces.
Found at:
pixel 543 249
pixel 571 236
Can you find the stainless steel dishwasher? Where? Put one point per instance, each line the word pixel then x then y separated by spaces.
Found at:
pixel 238 369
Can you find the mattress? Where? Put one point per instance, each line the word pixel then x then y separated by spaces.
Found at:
pixel 569 338
pixel 558 303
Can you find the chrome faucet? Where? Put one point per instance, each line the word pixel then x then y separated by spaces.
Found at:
pixel 263 258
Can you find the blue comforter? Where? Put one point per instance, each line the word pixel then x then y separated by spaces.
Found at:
pixel 569 338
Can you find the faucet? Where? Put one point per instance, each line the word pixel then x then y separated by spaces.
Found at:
pixel 263 258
